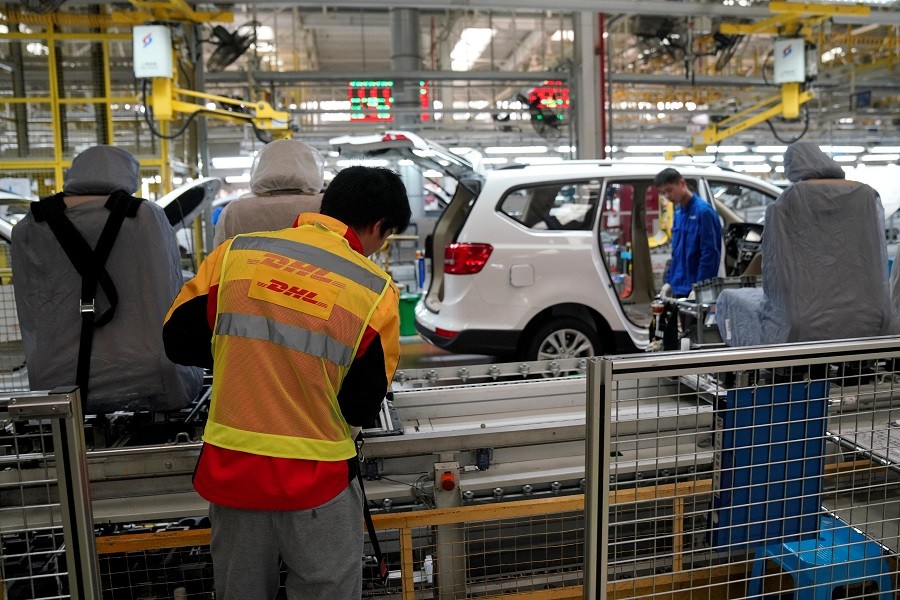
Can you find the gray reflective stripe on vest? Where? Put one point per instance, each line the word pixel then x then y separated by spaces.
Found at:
pixel 311 254
pixel 295 338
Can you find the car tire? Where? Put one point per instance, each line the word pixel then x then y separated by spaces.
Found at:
pixel 563 338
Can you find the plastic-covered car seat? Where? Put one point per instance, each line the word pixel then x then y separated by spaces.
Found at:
pixel 286 179
pixel 128 366
pixel 824 261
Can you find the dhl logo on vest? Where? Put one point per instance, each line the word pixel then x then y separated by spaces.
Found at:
pixel 295 285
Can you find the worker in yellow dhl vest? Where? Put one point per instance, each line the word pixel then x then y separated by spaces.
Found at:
pixel 301 330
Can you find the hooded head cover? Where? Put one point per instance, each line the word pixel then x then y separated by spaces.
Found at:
pixel 805 160
pixel 102 170
pixel 287 166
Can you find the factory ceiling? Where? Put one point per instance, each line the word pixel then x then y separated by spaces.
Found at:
pixel 667 68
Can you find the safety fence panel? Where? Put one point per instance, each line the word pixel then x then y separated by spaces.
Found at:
pixel 46 528
pixel 784 464
pixel 31 564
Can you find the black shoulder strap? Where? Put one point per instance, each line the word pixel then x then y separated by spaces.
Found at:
pixel 89 263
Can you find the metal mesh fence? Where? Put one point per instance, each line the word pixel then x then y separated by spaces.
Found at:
pixel 778 469
pixel 13 376
pixel 32 560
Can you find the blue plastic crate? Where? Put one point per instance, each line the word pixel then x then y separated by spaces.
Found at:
pixel 768 464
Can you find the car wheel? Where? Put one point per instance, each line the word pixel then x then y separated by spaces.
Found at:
pixel 563 338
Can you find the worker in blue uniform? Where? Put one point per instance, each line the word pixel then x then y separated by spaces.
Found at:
pixel 696 234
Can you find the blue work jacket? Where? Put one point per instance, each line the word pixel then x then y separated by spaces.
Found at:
pixel 696 245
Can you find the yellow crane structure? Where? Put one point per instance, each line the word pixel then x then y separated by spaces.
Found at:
pixel 790 20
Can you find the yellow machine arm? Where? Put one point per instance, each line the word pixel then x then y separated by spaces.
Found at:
pixel 167 100
pixel 786 104
pixel 790 19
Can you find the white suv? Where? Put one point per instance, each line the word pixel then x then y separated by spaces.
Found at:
pixel 557 261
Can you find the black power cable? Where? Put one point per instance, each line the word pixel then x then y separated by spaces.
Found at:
pixel 802 133
pixel 148 117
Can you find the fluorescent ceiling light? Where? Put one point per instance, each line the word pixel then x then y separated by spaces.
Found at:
pixel 842 149
pixel 210 105
pixel 740 158
pixel 726 149
pixel 405 162
pixel 245 178
pixel 651 149
pixel 753 168
pixel 471 44
pixel 770 149
pixel 515 150
pixel 703 158
pixel 566 149
pixel 495 160
pixel 885 149
pixel 265 33
pixel 460 150
pixel 563 34
pixel 538 160
pixel 232 162
pixel 363 162
pixel 431 173
pixel 779 169
pixel 844 158
pixel 879 157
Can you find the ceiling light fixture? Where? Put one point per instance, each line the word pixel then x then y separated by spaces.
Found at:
pixel 879 157
pixel 515 150
pixel 842 149
pixel 471 44
pixel 726 149
pixel 232 162
pixel 770 149
pixel 651 149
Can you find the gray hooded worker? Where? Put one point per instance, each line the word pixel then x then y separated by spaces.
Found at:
pixel 285 180
pixel 138 273
pixel 824 261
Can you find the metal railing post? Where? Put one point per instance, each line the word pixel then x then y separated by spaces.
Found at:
pixel 597 452
pixel 62 407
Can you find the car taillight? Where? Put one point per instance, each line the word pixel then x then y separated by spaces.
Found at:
pixel 466 259
pixel 394 137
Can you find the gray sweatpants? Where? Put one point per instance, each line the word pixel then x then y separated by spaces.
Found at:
pixel 322 548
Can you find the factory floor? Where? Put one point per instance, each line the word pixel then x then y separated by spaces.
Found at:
pixel 416 353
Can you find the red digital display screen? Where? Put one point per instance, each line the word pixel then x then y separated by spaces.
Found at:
pixel 424 100
pixel 371 100
pixel 552 94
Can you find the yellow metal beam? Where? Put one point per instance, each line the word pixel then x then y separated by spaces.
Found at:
pixel 794 18
pixel 177 10
pixel 804 9
pixel 174 10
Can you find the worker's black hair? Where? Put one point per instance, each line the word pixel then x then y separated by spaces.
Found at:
pixel 668 175
pixel 361 196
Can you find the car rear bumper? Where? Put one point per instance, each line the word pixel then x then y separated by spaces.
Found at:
pixel 474 341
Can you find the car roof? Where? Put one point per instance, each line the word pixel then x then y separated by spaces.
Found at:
pixel 613 168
